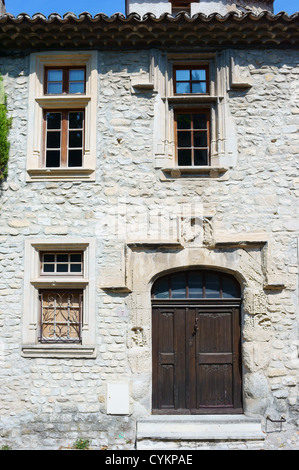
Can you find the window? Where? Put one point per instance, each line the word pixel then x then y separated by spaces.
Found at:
pixel 195 83
pixel 62 109
pixel 180 6
pixel 64 80
pixel 192 137
pixel 196 285
pixel 61 309
pixel 64 138
pixel 62 263
pixel 61 316
pixel 191 79
pixel 59 301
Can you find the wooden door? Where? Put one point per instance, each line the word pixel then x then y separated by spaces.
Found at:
pixel 196 357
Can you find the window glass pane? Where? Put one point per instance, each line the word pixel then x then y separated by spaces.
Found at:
pixel 76 258
pixel 200 139
pixel 75 139
pixel 178 286
pixel 76 87
pixel 75 158
pixel 195 283
pixel 76 120
pixel 53 140
pixel 62 268
pixel 200 157
pixel 212 286
pixel 200 87
pixel 55 78
pixel 184 139
pixel 49 268
pixel 76 268
pixel 161 290
pixel 184 157
pixel 76 81
pixel 77 75
pixel 55 88
pixel 183 121
pixel 229 288
pixel 62 258
pixel 53 158
pixel 53 120
pixel 199 74
pixel 54 75
pixel 183 87
pixel 182 75
pixel 48 258
pixel 200 121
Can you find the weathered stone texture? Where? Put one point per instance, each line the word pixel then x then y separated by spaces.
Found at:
pixel 47 402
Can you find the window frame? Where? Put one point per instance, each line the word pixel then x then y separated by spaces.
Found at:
pixel 35 281
pixel 192 111
pixel 190 67
pixel 178 6
pixel 64 148
pixel 40 101
pixel 55 262
pixel 46 340
pixel 65 79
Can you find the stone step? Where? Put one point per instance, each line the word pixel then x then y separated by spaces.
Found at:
pixel 199 428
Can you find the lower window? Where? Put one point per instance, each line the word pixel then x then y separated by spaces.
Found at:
pixel 64 138
pixel 59 298
pixel 192 133
pixel 60 316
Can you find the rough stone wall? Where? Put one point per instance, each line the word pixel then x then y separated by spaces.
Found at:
pixel 204 6
pixel 47 403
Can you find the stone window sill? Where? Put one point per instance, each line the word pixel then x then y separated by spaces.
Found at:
pixel 194 171
pixel 75 351
pixel 60 174
pixel 192 98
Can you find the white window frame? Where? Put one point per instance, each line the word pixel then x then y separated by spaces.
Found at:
pixel 38 101
pixel 34 280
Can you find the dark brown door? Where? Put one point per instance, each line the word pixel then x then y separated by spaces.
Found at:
pixel 196 356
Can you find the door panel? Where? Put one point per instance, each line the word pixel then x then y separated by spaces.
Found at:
pixel 196 359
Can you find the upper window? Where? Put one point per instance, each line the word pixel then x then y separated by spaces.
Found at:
pixel 64 80
pixel 62 263
pixel 62 109
pixel 191 79
pixel 180 6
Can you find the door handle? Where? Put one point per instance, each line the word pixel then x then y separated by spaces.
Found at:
pixel 195 328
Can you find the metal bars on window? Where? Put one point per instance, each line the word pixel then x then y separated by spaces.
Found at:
pixel 60 316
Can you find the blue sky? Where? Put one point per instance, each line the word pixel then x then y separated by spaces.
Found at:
pixel 101 6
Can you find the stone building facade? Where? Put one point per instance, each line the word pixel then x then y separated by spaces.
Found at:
pixel 90 333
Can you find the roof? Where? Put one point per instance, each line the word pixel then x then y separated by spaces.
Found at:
pixel 182 31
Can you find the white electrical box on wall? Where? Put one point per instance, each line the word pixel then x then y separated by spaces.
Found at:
pixel 118 398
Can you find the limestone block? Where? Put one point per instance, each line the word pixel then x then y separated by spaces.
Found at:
pixel 256 385
pixel 256 355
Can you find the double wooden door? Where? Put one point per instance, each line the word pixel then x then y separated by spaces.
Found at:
pixel 196 357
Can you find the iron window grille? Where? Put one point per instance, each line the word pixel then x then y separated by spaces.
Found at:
pixel 61 316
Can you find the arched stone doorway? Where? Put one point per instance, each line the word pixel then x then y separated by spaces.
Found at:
pixel 196 343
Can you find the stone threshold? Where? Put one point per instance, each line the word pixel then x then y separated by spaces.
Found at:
pixel 199 428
